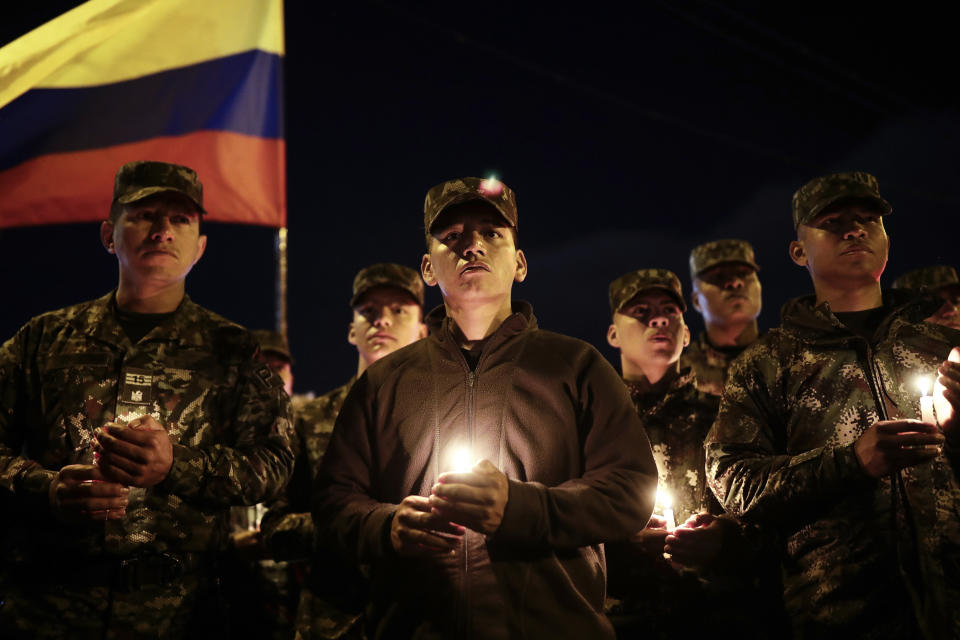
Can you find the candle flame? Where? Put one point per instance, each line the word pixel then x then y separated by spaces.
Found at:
pixel 664 499
pixel 461 460
pixel 923 384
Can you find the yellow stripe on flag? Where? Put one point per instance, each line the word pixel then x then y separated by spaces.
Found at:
pixel 107 41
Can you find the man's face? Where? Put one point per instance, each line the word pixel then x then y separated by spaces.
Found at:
pixel 727 294
pixel 649 329
pixel 384 320
pixel 472 255
pixel 949 314
pixel 156 239
pixel 844 244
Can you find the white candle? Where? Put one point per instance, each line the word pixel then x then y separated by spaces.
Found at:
pixel 926 401
pixel 665 502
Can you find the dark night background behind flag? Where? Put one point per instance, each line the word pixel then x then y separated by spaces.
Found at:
pixel 629 135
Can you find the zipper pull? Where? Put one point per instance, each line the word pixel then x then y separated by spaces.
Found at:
pixel 470 378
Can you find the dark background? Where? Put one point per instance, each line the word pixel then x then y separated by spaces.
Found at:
pixel 629 136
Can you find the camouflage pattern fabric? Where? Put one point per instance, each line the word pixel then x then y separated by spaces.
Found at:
pixel 676 423
pixel 287 527
pixel 387 274
pixel 624 288
pixel 781 455
pixel 708 363
pixel 812 198
pixel 67 372
pixel 138 180
pixel 661 600
pixel 932 278
pixel 710 254
pixel 461 190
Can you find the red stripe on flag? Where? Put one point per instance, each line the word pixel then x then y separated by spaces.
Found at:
pixel 244 179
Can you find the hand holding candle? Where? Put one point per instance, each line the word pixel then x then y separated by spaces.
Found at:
pixel 476 499
pixel 946 395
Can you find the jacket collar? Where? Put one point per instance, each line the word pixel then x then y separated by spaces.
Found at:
pixel 813 322
pixel 685 381
pixel 99 320
pixel 521 320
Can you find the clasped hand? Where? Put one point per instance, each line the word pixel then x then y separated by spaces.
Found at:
pixel 139 454
pixel 474 500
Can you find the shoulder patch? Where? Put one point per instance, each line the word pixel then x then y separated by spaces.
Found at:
pixel 267 378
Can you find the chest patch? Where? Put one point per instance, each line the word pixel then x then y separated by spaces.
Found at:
pixel 136 386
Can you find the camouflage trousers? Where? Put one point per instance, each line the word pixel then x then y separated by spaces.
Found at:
pixel 37 608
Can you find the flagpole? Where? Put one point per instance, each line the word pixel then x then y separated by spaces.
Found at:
pixel 281 289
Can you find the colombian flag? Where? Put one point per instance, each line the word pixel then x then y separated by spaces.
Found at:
pixel 194 82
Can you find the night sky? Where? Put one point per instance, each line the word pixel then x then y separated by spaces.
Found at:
pixel 629 138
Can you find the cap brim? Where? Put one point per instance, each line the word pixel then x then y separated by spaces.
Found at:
pixel 654 287
pixel 461 198
pixel 359 295
pixel 882 206
pixel 146 192
pixel 752 265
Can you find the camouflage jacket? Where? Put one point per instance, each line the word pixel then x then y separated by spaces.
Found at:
pixel 287 527
pixel 67 372
pixel 781 454
pixel 676 423
pixel 708 363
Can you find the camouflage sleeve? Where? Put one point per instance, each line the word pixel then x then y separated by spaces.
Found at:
pixel 748 466
pixel 347 517
pixel 24 483
pixel 255 460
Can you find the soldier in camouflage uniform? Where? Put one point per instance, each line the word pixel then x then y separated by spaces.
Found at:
pixel 941 280
pixel 726 292
pixel 131 424
pixel 387 315
pixel 709 565
pixel 262 594
pixel 817 436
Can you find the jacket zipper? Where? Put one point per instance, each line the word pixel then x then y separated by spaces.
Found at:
pixel 471 379
pixel 897 488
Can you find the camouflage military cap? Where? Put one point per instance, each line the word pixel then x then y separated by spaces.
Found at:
pixel 624 288
pixel 710 254
pixel 387 274
pixel 273 342
pixel 138 180
pixel 815 196
pixel 461 190
pixel 937 277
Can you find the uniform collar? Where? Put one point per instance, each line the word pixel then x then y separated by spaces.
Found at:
pixel 98 319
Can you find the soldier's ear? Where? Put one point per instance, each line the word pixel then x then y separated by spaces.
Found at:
pixel 521 272
pixel 695 297
pixel 106 236
pixel 201 247
pixel 426 270
pixel 612 339
pixel 686 336
pixel 798 253
pixel 352 335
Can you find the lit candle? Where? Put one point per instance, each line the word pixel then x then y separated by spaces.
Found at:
pixel 926 400
pixel 665 502
pixel 461 460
